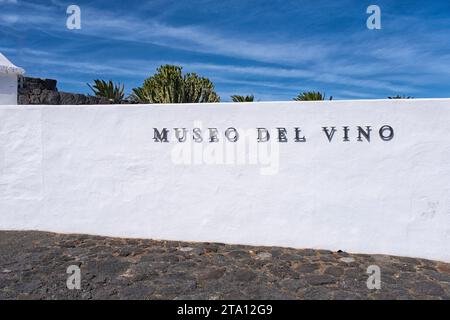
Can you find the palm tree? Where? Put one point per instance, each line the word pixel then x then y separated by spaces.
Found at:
pixel 400 97
pixel 311 96
pixel 238 98
pixel 113 92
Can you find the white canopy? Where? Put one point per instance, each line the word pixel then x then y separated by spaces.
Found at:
pixel 6 67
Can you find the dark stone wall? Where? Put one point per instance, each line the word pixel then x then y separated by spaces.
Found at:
pixel 45 91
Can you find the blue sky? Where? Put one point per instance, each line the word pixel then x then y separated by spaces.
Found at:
pixel 272 49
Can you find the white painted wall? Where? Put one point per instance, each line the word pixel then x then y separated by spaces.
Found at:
pixel 96 169
pixel 8 89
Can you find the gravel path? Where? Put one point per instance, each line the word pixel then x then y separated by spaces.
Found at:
pixel 33 265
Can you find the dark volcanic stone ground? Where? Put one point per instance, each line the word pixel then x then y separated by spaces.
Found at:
pixel 33 266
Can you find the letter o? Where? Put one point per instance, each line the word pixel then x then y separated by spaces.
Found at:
pixel 385 137
pixel 229 131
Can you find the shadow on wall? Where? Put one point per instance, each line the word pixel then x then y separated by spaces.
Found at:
pixel 44 91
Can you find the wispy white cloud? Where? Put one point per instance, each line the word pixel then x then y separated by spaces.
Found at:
pixel 9 18
pixel 293 73
pixel 221 74
pixel 349 63
pixel 104 24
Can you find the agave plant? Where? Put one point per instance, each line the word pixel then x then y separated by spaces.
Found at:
pixel 109 90
pixel 238 98
pixel 311 96
pixel 400 97
pixel 169 85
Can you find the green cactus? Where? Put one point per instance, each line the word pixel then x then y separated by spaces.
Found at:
pixel 168 85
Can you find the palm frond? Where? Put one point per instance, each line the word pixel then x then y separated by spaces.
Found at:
pixel 311 96
pixel 238 98
pixel 109 90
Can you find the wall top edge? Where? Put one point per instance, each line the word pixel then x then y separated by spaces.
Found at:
pixel 396 102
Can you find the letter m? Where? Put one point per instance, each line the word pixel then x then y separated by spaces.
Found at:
pixel 160 136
